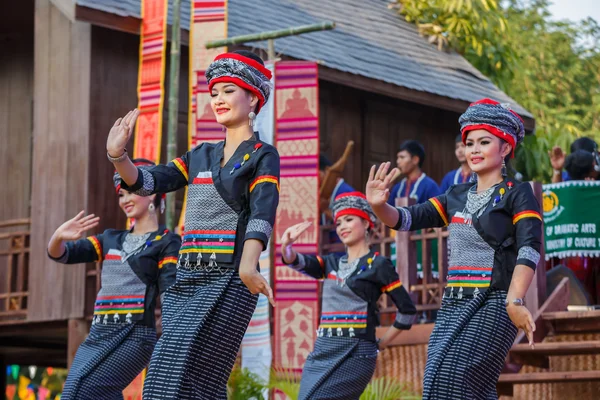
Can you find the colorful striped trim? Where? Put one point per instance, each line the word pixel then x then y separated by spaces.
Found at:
pixel 343 325
pixel 119 304
pixel 116 311
pixel 526 214
pixel 391 286
pixel 321 262
pixel 167 260
pixel 462 270
pixel 97 246
pixel 440 209
pixel 463 278
pixel 182 167
pixel 113 257
pixel 467 284
pixel 264 179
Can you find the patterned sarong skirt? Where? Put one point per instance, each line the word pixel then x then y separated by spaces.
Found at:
pixel 467 348
pixel 205 316
pixel 338 368
pixel 108 360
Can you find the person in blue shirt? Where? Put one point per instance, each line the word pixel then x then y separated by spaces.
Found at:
pixel 557 157
pixel 415 184
pixel 463 173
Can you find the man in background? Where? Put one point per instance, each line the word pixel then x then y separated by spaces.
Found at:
pixel 463 173
pixel 415 184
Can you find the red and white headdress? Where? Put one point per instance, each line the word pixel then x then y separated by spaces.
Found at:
pixel 242 71
pixel 353 203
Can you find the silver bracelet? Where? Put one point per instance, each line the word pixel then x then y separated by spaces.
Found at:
pixel 122 157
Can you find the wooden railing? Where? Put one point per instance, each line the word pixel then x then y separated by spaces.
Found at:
pixel 14 270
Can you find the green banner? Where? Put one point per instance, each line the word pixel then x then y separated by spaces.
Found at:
pixel 572 219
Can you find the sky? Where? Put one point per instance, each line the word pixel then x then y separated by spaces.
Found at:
pixel 575 10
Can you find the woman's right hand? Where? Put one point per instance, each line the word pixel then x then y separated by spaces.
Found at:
pixel 290 236
pixel 379 183
pixel 292 233
pixel 75 228
pixel 120 133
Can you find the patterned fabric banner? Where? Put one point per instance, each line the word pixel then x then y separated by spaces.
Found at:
pixel 209 22
pixel 151 76
pixel 297 138
pixel 257 354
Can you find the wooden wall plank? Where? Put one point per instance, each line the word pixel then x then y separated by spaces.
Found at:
pixel 59 168
pixel 16 121
pixel 378 125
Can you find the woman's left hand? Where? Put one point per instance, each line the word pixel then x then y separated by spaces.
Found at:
pixel 522 318
pixel 256 283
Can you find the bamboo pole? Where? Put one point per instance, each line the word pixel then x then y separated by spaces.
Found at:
pixel 257 37
pixel 173 106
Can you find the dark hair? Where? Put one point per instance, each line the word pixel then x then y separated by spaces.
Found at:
pixel 584 143
pixel 414 148
pixel 458 138
pixel 579 164
pixel 249 54
pixel 324 162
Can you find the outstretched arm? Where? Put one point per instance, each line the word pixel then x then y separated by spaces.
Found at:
pixel 67 246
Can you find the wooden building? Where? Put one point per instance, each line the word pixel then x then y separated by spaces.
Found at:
pixel 68 69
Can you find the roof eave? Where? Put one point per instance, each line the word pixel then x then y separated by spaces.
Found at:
pixel 402 93
pixel 132 25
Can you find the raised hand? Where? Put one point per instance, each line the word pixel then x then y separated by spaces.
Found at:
pixel 557 158
pixel 378 186
pixel 292 233
pixel 76 228
pixel 120 133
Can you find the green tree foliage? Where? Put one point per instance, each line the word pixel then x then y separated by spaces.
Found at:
pixel 552 68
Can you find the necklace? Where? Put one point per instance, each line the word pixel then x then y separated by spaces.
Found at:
pixel 133 244
pixel 345 269
pixel 477 202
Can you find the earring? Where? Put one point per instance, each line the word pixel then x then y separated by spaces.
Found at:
pixel 504 168
pixel 222 128
pixel 473 177
pixel 252 117
pixel 162 205
pixel 151 208
pixel 367 236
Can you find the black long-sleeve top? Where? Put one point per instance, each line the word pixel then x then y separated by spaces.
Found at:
pixel 483 249
pixel 350 309
pixel 225 205
pixel 130 284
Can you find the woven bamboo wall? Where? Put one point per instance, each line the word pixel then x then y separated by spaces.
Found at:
pixel 563 391
pixel 405 363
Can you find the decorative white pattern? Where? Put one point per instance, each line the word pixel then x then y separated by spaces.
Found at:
pixel 147 184
pixel 529 253
pixel 406 219
pixel 259 225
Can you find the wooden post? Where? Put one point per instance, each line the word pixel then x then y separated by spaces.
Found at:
pixel 61 110
pixel 536 295
pixel 406 255
pixel 173 105
pixel 77 332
